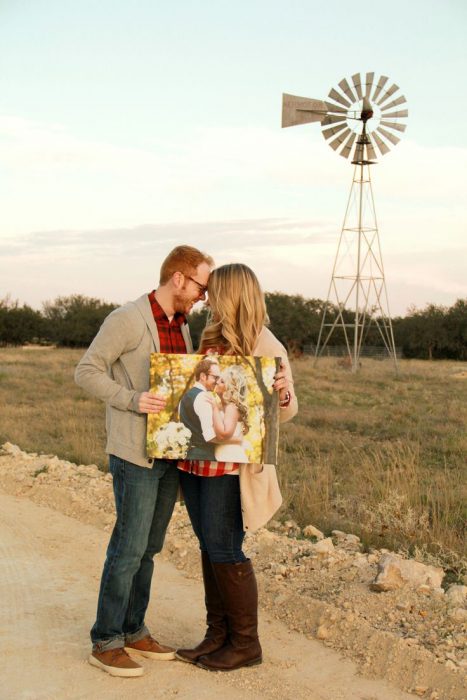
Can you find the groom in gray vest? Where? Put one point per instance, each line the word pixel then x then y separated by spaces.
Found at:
pixel 196 411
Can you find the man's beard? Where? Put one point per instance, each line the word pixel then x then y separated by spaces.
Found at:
pixel 182 302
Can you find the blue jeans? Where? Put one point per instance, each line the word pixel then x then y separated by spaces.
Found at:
pixel 213 504
pixel 144 501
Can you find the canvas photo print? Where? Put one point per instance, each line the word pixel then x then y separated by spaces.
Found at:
pixel 219 407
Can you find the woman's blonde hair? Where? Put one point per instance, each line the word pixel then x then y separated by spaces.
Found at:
pixel 235 391
pixel 238 310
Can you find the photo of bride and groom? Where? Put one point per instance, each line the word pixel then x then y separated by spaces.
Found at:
pixel 218 408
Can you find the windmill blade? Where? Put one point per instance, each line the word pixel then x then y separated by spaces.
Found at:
pixel 337 97
pixel 328 133
pixel 358 154
pixel 397 115
pixel 366 106
pixel 339 140
pixel 394 88
pixel 380 143
pixel 357 81
pixel 301 110
pixel 369 84
pixel 370 150
pixel 393 125
pixel 381 83
pixel 347 90
pixel 390 137
pixel 395 103
pixel 348 145
pixel 334 109
pixel 333 119
pixel 358 85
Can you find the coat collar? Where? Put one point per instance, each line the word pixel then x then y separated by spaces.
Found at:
pixel 144 307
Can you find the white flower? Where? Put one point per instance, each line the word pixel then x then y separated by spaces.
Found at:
pixel 171 440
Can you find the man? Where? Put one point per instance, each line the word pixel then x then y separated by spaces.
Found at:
pixel 196 412
pixel 115 369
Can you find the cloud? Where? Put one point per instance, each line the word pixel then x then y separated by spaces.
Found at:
pixel 56 179
pixel 291 256
pixel 213 235
pixel 272 198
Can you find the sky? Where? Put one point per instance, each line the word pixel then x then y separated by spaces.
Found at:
pixel 129 128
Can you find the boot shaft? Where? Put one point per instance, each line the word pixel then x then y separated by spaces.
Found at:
pixel 239 591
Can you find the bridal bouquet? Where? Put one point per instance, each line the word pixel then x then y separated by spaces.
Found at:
pixel 171 440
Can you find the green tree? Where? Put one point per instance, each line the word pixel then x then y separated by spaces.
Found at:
pixel 423 332
pixel 293 319
pixel 20 324
pixel 196 321
pixel 74 321
pixel 456 330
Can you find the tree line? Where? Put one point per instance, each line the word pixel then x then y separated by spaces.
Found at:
pixel 434 332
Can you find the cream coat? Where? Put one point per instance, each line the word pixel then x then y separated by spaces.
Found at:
pixel 267 345
pixel 260 494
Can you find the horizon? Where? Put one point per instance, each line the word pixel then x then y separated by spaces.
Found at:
pixel 199 306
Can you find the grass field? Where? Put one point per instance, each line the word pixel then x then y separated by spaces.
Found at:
pixel 374 454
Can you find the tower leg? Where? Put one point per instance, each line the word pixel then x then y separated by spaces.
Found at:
pixel 357 301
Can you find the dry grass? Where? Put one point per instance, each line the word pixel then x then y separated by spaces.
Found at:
pixel 44 411
pixel 379 455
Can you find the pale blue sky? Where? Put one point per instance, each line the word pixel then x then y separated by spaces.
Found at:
pixel 128 128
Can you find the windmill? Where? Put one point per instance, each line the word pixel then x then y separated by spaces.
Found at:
pixel 361 120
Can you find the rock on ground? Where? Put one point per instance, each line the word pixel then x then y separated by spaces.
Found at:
pixel 394 572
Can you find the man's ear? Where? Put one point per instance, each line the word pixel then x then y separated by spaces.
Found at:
pixel 178 280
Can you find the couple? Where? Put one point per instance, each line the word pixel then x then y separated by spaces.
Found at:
pixel 115 369
pixel 217 431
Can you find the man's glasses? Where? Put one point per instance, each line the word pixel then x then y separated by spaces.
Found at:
pixel 202 288
pixel 216 377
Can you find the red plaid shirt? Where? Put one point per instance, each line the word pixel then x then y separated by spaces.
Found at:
pixel 170 332
pixel 203 467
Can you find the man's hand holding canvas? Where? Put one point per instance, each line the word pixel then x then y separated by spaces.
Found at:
pixel 151 403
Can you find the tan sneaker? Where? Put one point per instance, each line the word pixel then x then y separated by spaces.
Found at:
pixel 116 662
pixel 148 647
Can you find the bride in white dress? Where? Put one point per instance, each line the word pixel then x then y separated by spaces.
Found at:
pixel 230 420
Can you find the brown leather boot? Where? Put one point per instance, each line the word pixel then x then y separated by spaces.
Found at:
pixel 238 587
pixel 216 621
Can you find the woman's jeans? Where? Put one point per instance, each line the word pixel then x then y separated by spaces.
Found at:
pixel 144 501
pixel 213 504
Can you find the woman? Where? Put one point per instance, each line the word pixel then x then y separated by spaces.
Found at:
pixel 231 422
pixel 212 491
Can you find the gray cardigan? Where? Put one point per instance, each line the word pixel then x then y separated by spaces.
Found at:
pixel 115 369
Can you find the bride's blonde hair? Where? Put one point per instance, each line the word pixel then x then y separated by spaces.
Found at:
pixel 238 310
pixel 235 391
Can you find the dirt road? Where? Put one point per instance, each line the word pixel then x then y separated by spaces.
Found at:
pixel 49 573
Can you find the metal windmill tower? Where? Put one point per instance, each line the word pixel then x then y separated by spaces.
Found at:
pixel 357 119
